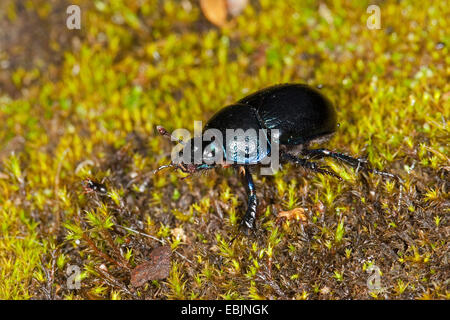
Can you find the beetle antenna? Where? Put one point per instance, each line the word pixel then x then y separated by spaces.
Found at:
pixel 162 131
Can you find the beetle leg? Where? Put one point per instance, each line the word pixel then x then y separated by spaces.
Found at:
pixel 250 214
pixel 308 165
pixel 322 153
pixel 353 162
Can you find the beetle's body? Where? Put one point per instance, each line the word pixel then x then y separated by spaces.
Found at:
pixel 300 112
pixel 301 115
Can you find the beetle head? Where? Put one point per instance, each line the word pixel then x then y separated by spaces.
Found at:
pixel 192 157
pixel 196 155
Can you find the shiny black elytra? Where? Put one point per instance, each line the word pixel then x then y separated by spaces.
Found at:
pixel 302 115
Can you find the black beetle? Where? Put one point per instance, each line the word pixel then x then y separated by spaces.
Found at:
pixel 93 186
pixel 301 114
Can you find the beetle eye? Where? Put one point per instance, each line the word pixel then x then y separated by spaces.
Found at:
pixel 209 151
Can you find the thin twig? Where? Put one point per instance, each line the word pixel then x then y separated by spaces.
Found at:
pixel 154 238
pixel 109 278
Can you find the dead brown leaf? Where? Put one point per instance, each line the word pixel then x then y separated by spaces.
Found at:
pixel 158 267
pixel 215 11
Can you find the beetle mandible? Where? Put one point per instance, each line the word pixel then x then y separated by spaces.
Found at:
pixel 301 114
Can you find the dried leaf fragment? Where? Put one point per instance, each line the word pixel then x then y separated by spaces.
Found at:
pixel 158 267
pixel 297 214
pixel 215 11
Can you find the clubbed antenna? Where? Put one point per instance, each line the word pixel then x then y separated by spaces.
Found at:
pixel 162 131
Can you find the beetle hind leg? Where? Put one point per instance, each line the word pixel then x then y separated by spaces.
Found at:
pixel 308 165
pixel 357 163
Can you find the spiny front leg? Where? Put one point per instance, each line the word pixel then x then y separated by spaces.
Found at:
pixel 250 214
pixel 353 162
